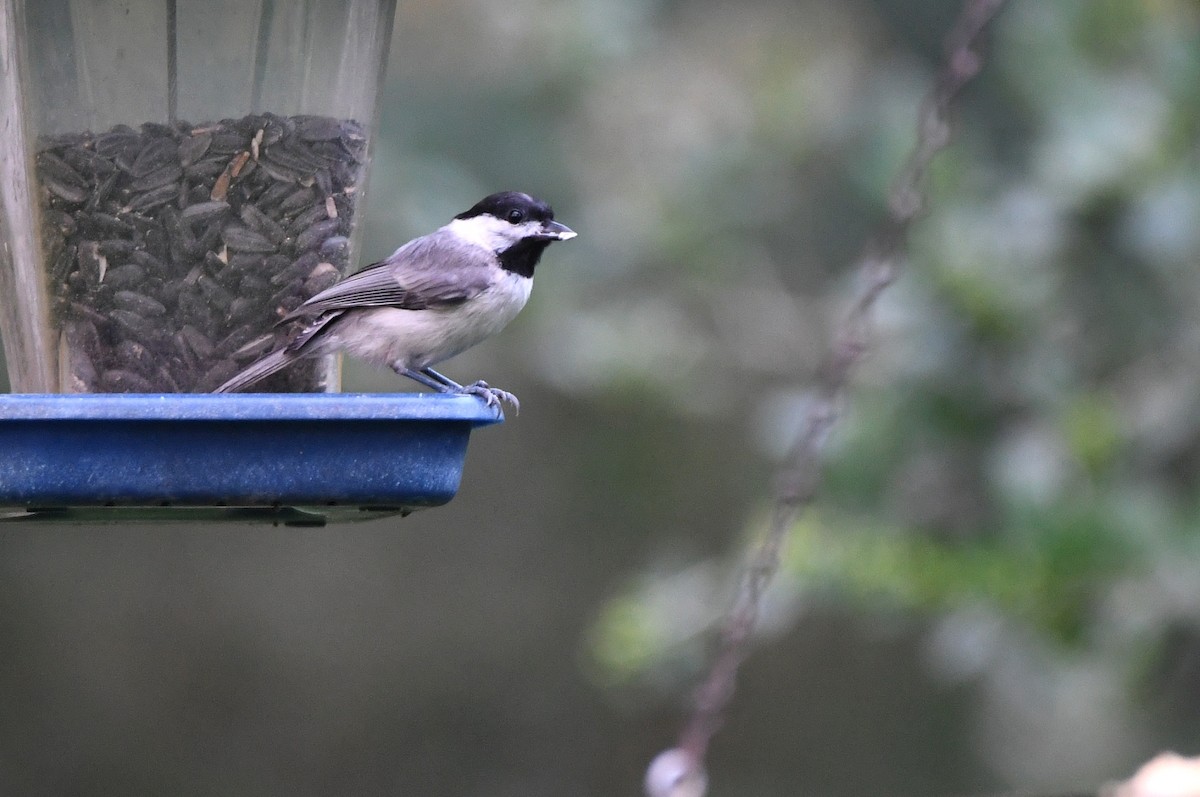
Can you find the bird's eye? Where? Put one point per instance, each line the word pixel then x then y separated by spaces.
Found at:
pixel 516 216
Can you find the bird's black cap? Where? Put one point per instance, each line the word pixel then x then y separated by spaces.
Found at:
pixel 505 204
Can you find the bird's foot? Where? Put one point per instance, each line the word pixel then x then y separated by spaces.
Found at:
pixel 431 378
pixel 492 395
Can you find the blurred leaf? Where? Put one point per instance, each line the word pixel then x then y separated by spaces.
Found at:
pixel 1110 31
pixel 1050 575
pixel 1092 429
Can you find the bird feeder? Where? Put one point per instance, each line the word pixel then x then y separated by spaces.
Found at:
pixel 175 177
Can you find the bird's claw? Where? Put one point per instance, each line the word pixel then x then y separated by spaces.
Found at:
pixel 493 395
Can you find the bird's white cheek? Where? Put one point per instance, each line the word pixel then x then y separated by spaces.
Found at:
pixel 486 232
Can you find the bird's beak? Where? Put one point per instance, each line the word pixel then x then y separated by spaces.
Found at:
pixel 557 232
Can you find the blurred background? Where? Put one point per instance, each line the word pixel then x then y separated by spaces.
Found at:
pixel 998 589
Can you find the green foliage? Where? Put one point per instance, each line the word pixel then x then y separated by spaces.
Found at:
pixel 1049 572
pixel 1092 428
pixel 624 642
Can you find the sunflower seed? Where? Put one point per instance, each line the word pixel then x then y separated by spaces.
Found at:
pixel 297 200
pixel 137 303
pixel 243 239
pixel 318 128
pixel 117 380
pixel 135 357
pixel 134 325
pixel 50 165
pixel 260 222
pixel 317 234
pixel 335 249
pixel 117 250
pixel 65 191
pixel 198 343
pixel 222 371
pixel 243 308
pixel 153 199
pixel 203 212
pixel 157 154
pixel 325 275
pixel 192 148
pixel 163 238
pixel 124 277
pixel 299 269
pixel 217 296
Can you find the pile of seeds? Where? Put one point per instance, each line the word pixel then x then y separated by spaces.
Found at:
pixel 174 249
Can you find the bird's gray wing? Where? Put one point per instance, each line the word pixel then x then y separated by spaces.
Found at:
pixel 427 272
pixel 314 326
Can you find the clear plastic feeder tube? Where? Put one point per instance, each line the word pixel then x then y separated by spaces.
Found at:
pixel 175 177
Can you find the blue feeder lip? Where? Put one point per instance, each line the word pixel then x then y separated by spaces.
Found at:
pixel 297 458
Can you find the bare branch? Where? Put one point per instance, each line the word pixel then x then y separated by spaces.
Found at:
pixel 680 771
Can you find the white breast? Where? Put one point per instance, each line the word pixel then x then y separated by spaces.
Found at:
pixel 385 336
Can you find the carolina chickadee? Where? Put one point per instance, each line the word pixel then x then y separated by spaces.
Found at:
pixel 436 296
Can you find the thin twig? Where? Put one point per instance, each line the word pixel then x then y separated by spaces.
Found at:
pixel 799 478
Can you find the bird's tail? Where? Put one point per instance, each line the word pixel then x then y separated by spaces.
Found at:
pixel 260 369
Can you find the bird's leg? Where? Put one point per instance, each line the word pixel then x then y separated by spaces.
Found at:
pixel 417 376
pixel 442 384
pixel 442 379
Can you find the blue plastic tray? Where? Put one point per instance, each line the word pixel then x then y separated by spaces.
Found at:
pixel 293 458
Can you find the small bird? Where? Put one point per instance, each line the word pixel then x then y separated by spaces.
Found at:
pixel 435 297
